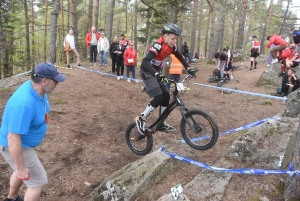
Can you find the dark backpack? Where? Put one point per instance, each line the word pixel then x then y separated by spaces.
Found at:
pixel 216 72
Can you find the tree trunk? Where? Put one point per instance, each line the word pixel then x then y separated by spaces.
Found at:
pixel 199 28
pixel 53 31
pixel 284 17
pixel 250 27
pixel 221 27
pixel 45 31
pixel 90 15
pixel 262 50
pixel 206 34
pixel 97 14
pixel 27 62
pixel 75 28
pixel 32 61
pixel 233 25
pixel 110 19
pixel 135 24
pixel 149 33
pixel 4 56
pixel 212 44
pixel 194 22
pixel 240 36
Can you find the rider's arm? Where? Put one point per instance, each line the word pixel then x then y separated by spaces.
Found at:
pixel 181 59
pixel 146 63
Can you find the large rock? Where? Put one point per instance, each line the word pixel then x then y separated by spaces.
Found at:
pixel 293 104
pixel 135 178
pixel 270 75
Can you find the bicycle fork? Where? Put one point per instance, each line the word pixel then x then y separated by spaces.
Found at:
pixel 194 125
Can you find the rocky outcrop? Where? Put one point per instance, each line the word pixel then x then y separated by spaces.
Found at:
pixel 269 145
pixel 293 106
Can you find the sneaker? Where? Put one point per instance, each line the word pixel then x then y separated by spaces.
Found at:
pixel 16 199
pixel 68 66
pixel 100 65
pixel 268 65
pixel 118 77
pixel 121 77
pixel 128 80
pixel 251 68
pixel 95 64
pixel 166 128
pixel 141 126
pixel 105 65
pixel 254 67
pixel 79 64
pixel 136 80
pixel 90 64
pixel 274 61
pixel 281 74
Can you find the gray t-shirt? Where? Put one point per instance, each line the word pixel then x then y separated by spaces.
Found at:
pixel 94 39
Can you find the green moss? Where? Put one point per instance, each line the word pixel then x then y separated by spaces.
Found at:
pixel 263 82
pixel 280 187
pixel 128 166
pixel 268 102
pixel 2 89
pixel 59 101
pixel 254 199
pixel 272 131
pixel 210 62
pixel 242 132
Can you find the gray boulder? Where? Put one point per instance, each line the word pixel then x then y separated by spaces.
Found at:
pixel 292 105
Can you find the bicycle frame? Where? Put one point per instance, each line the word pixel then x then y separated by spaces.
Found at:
pixel 175 102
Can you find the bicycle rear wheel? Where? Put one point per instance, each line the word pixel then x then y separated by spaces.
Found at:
pixel 213 78
pixel 136 145
pixel 206 131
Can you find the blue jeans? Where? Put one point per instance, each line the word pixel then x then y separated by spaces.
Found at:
pixel 222 70
pixel 132 69
pixel 175 77
pixel 103 57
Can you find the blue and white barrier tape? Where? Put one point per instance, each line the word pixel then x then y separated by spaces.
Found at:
pixel 247 126
pixel 243 92
pixel 21 74
pixel 291 172
pixel 104 73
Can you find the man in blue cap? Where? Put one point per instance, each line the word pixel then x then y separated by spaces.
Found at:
pixel 24 125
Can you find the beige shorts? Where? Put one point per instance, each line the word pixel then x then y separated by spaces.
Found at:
pixel 38 175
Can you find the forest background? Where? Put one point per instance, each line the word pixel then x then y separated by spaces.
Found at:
pixel 32 31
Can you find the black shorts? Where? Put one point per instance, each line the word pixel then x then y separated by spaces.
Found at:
pixel 228 67
pixel 154 88
pixel 295 63
pixel 254 53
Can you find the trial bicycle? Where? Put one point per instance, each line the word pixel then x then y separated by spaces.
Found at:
pixel 236 67
pixel 198 128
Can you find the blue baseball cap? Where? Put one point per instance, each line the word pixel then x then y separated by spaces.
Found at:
pixel 48 70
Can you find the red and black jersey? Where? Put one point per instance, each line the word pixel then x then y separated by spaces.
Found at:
pixel 154 60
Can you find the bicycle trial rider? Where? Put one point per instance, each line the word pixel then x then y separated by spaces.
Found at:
pixel 154 82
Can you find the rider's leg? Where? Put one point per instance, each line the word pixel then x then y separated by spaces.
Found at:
pixel 141 120
pixel 251 59
pixel 165 127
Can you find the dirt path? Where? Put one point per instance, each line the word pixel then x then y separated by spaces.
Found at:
pixel 90 112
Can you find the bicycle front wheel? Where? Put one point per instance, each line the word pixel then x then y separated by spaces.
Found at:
pixel 204 132
pixel 138 146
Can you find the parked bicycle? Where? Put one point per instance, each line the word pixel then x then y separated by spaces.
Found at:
pixel 236 67
pixel 198 128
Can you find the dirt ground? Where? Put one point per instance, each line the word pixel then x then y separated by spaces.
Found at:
pixel 85 141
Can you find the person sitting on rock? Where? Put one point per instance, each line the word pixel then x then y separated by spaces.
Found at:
pixel 289 58
pixel 290 82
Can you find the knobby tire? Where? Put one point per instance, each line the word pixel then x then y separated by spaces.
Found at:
pixel 207 130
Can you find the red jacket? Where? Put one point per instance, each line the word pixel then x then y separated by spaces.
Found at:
pixel 130 54
pixel 88 38
pixel 276 40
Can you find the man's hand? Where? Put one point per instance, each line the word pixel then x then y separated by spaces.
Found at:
pixel 22 173
pixel 161 78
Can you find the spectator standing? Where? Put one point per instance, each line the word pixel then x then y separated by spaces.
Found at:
pixel 130 60
pixel 100 30
pixel 255 49
pixel 185 51
pixel 228 66
pixel 220 61
pixel 103 47
pixel 91 41
pixel 175 70
pixel 69 41
pixel 296 39
pixel 124 40
pixel 119 50
pixel 290 82
pixel 113 55
pixel 270 56
pixel 279 43
pixel 24 125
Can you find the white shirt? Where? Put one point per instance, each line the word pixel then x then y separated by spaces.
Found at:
pixel 103 44
pixel 70 39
